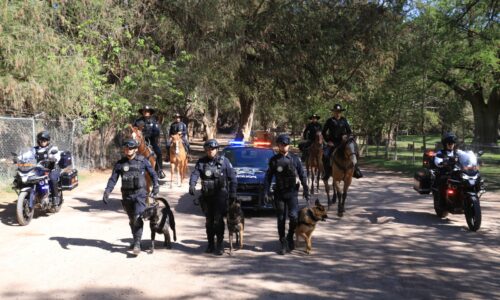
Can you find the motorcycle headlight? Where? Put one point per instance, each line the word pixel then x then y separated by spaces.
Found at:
pixel 25 167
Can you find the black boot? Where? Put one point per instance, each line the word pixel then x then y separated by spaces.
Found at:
pixel 219 249
pixel 357 172
pixel 210 247
pixel 284 246
pixel 55 201
pixel 137 247
pixel 290 243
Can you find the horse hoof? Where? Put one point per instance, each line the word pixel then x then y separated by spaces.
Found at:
pixel 340 214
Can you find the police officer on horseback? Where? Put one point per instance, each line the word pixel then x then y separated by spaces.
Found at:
pixel 310 134
pixel 176 127
pixel 218 184
pixel 151 131
pixel 50 155
pixel 132 169
pixel 336 129
pixel 285 167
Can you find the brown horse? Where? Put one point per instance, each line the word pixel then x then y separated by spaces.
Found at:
pixel 314 161
pixel 178 159
pixel 342 163
pixel 144 150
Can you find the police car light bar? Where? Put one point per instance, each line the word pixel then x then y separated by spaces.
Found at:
pixel 236 143
pixel 262 144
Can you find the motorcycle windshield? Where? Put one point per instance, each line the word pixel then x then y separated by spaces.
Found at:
pixel 468 160
pixel 26 160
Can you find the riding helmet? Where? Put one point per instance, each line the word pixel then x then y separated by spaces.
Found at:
pixel 283 139
pixel 131 144
pixel 212 144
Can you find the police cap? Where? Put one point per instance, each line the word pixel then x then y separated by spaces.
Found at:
pixel 130 143
pixel 211 144
pixel 283 139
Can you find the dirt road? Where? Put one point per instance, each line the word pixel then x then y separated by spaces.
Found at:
pixel 389 245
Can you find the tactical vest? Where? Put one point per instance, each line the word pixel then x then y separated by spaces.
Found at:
pixel 285 174
pixel 337 129
pixel 212 178
pixel 148 129
pixel 133 175
pixel 41 153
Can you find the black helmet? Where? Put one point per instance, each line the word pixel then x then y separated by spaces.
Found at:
pixel 337 107
pixel 147 108
pixel 314 116
pixel 283 139
pixel 43 135
pixel 213 144
pixel 449 138
pixel 130 143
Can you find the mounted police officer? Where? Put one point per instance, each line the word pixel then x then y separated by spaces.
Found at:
pixel 151 132
pixel 310 134
pixel 132 168
pixel 50 155
pixel 218 184
pixel 336 129
pixel 176 127
pixel 285 167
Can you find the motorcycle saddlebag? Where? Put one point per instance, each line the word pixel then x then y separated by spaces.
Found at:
pixel 66 160
pixel 69 180
pixel 422 181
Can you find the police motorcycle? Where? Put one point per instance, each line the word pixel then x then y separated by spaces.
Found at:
pixel 459 190
pixel 31 183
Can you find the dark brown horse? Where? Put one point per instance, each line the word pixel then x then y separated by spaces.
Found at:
pixel 314 161
pixel 342 163
pixel 144 149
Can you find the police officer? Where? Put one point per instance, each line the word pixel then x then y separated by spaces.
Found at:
pixel 176 127
pixel 132 167
pixel 151 132
pixel 336 128
pixel 51 156
pixel 285 166
pixel 310 134
pixel 218 183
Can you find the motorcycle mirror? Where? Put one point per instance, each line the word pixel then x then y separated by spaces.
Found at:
pixel 13 153
pixel 14 160
pixel 53 151
pixel 480 152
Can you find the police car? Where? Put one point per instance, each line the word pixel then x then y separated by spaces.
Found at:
pixel 250 162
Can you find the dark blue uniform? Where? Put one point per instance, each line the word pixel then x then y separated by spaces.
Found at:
pixel 218 183
pixel 286 168
pixel 42 153
pixel 332 132
pixel 151 132
pixel 133 189
pixel 174 129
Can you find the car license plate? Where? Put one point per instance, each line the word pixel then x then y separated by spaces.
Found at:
pixel 245 198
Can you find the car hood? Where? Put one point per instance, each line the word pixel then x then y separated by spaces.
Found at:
pixel 248 175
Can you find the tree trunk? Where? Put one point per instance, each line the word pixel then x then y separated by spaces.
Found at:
pixel 485 117
pixel 210 116
pixel 247 113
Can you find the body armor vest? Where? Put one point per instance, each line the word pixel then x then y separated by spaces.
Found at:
pixel 133 175
pixel 285 174
pixel 41 153
pixel 211 177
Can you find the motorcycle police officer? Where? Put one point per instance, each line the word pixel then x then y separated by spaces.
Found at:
pixel 218 183
pixel 334 131
pixel 176 127
pixel 51 155
pixel 151 132
pixel 285 166
pixel 132 168
pixel 310 134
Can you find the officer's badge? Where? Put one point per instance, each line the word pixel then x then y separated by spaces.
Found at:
pixel 126 168
pixel 279 169
pixel 208 173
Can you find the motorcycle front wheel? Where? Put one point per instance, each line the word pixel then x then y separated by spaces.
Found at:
pixel 24 212
pixel 472 212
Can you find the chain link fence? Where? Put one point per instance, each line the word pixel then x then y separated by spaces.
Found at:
pixel 92 150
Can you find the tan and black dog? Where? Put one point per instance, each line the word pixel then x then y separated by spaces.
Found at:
pixel 308 217
pixel 235 224
pixel 160 218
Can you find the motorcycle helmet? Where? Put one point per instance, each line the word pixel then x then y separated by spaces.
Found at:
pixel 131 144
pixel 212 144
pixel 283 139
pixel 449 138
pixel 42 136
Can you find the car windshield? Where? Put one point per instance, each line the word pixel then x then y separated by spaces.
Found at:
pixel 249 157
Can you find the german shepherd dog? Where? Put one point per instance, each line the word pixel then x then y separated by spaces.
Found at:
pixel 308 217
pixel 235 224
pixel 160 218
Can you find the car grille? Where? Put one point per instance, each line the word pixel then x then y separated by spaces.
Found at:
pixel 250 187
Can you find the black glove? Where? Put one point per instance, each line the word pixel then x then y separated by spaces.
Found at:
pixel 105 198
pixel 192 190
pixel 155 191
pixel 268 198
